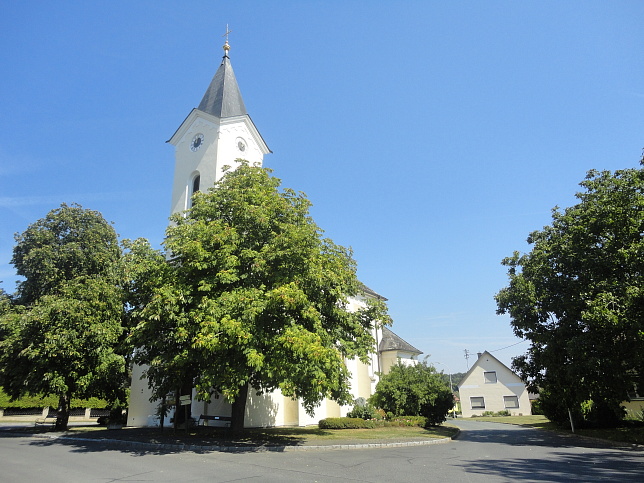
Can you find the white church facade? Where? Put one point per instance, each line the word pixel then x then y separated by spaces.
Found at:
pixel 214 135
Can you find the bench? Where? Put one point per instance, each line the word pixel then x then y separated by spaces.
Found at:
pixel 46 420
pixel 207 417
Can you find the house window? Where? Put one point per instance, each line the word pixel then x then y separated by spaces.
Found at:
pixel 477 402
pixel 511 402
pixel 490 377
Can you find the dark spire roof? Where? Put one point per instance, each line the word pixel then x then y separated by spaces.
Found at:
pixel 223 98
pixel 367 291
pixel 391 342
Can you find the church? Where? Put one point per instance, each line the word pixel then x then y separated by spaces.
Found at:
pixel 216 134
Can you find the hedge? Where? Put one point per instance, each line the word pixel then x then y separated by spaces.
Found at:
pixel 48 401
pixel 346 423
pixel 359 423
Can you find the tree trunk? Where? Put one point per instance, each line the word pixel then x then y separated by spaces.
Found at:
pixel 162 417
pixel 239 409
pixel 62 417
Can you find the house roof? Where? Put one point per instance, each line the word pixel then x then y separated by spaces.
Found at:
pixel 223 97
pixel 392 342
pixel 481 356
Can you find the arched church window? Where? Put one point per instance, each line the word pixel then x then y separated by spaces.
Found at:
pixel 194 188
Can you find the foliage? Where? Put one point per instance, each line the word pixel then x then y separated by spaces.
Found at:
pixel 142 270
pixel 49 401
pixel 70 242
pixel 492 414
pixel 587 414
pixel 578 297
pixel 345 423
pixel 536 407
pixel 60 336
pixel 362 409
pixel 416 390
pixel 356 423
pixel 254 296
pixel 420 421
pixel 457 377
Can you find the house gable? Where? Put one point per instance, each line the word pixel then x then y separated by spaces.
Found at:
pixel 492 386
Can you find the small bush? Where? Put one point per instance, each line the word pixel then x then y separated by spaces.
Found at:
pixel 345 423
pixel 362 409
pixel 536 407
pixel 419 421
pixel 490 414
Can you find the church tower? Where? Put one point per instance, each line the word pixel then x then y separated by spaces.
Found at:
pixel 216 134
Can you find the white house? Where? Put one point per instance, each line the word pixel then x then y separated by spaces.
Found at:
pixel 212 136
pixel 491 386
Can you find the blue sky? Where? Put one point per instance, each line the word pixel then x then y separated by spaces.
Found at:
pixel 431 137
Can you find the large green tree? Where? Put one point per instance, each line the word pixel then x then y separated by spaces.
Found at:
pixel 414 390
pixel 60 336
pixel 256 297
pixel 578 297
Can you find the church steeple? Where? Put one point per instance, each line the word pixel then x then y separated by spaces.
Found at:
pixel 218 133
pixel 223 97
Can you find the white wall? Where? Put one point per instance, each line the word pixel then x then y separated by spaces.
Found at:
pixel 508 384
pixel 221 147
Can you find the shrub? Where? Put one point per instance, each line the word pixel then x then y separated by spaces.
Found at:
pixel 416 390
pixel 420 421
pixel 436 409
pixel 486 414
pixel 358 423
pixel 362 409
pixel 345 423
pixel 587 414
pixel 48 401
pixel 536 407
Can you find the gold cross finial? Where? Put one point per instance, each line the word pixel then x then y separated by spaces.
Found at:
pixel 226 46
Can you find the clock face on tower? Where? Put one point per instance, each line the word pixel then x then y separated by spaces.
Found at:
pixel 241 144
pixel 196 143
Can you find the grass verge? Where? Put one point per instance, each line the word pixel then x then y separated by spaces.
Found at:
pixel 306 436
pixel 631 432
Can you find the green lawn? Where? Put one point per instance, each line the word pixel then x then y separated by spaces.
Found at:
pixel 310 435
pixel 631 432
pixel 386 434
pixel 536 421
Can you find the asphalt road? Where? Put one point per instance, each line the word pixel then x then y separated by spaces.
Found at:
pixel 484 452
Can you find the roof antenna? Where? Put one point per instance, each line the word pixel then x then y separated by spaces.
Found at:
pixel 226 47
